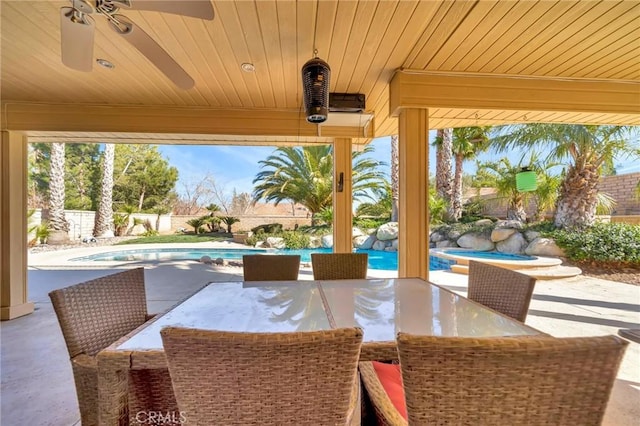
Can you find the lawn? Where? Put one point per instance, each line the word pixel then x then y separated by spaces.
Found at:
pixel 178 238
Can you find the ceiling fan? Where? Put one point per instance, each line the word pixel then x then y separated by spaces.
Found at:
pixel 77 29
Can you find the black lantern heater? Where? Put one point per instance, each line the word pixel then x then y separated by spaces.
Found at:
pixel 315 86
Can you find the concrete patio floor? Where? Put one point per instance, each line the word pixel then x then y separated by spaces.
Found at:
pixel 37 383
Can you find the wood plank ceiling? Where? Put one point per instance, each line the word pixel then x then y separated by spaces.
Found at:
pixel 363 41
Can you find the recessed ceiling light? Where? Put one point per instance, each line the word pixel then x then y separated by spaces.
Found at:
pixel 105 64
pixel 247 67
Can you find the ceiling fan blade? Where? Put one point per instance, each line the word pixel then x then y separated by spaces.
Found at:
pixel 153 51
pixel 196 8
pixel 76 36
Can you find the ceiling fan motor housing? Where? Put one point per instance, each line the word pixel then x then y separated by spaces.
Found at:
pixel 315 85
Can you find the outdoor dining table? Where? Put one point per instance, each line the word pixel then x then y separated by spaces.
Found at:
pixel 381 307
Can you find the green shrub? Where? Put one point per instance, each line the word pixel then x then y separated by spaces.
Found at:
pixel 292 239
pixel 545 227
pixel 267 228
pixel 121 223
pixel 150 233
pixel 252 240
pixel 296 240
pixel 315 229
pixel 603 242
pixel 369 222
pixel 43 231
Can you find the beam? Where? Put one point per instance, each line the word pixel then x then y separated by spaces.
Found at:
pixel 13 226
pixel 426 89
pixel 413 223
pixel 342 196
pixel 45 117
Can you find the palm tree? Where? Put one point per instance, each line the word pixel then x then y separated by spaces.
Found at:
pixel 546 194
pixel 381 206
pixel 57 221
pixel 588 148
pixel 504 174
pixel 467 142
pixel 395 178
pixel 444 159
pixel 104 216
pixel 229 220
pixel 304 175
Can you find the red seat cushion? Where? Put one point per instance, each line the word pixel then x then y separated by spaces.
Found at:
pixel 391 381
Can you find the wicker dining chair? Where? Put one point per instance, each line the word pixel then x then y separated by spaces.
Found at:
pixel 258 267
pixel 488 381
pixel 298 378
pixel 339 266
pixel 92 315
pixel 503 290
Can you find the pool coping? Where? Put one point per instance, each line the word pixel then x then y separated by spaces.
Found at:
pixel 62 258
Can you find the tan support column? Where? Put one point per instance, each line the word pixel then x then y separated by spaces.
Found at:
pixel 342 196
pixel 13 226
pixel 413 153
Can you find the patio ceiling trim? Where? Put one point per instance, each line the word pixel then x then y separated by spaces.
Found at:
pixel 174 139
pixel 614 101
pixel 48 117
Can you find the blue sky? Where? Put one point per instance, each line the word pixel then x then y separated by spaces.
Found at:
pixel 234 167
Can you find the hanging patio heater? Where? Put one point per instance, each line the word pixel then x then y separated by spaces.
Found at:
pixel 526 180
pixel 315 90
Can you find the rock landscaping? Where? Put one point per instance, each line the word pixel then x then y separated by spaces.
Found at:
pixel 504 236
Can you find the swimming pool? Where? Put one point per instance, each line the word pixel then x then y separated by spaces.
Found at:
pixel 488 254
pixel 383 260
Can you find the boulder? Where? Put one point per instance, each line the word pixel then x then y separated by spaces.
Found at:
pixel 364 241
pixel 390 248
pixel 388 231
pixel 394 245
pixel 356 232
pixel 327 241
pixel 276 242
pixel 501 234
pixel 531 235
pixel 476 242
pixel 445 243
pixel 544 247
pixel 260 244
pixel 515 244
pixel 315 242
pixel 379 245
pixel 483 222
pixel 436 236
pixel 454 234
pixel 514 224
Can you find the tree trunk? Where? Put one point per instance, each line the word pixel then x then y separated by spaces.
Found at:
pixel 395 178
pixel 141 199
pixel 443 164
pixel 516 211
pixel 104 216
pixel 578 197
pixel 57 220
pixel 455 210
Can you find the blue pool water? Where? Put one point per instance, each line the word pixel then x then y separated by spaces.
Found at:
pixel 377 259
pixel 489 254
